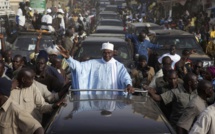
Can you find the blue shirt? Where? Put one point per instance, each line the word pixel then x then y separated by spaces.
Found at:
pixel 96 74
pixel 141 48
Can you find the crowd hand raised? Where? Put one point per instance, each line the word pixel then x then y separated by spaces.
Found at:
pixel 63 52
pixel 39 36
pixel 1 36
pixel 75 40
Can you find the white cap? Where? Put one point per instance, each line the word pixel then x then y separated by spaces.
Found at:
pixel 48 10
pixel 30 8
pixel 60 11
pixel 108 46
pixel 52 50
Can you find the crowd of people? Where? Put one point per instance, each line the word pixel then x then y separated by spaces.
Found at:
pixel 31 90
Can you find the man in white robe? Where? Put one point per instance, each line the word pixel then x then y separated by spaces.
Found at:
pixel 104 73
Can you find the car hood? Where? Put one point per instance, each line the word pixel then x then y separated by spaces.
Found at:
pixel 136 114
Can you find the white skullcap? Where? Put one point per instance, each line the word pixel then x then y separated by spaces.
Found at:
pixel 60 11
pixel 48 10
pixel 52 50
pixel 108 46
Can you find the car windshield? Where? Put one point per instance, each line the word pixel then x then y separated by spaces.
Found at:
pixel 29 43
pixel 111 23
pixel 93 50
pixel 180 42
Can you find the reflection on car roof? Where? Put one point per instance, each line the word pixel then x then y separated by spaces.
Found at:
pixel 107 35
pixel 103 39
pixel 140 24
pixel 169 32
pixel 117 20
pixel 108 12
pixel 109 28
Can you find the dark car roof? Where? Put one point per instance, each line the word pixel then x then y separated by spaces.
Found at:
pixel 106 113
pixel 110 29
pixel 108 12
pixel 103 39
pixel 117 20
pixel 163 32
pixel 108 35
pixel 143 24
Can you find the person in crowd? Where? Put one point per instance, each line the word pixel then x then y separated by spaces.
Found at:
pixel 20 121
pixel 195 106
pixel 179 97
pixel 58 22
pixel 104 73
pixel 173 82
pixel 198 69
pixel 184 64
pixel 204 123
pixel 166 61
pixel 20 16
pixel 143 74
pixel 163 80
pixel 68 42
pixel 18 63
pixel 47 21
pixel 29 97
pixel 141 45
pixel 46 75
pixel 172 54
pixel 57 63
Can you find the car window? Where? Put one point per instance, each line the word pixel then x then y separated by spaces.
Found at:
pixel 180 42
pixel 29 44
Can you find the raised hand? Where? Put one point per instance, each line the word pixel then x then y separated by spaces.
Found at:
pixel 1 36
pixel 63 52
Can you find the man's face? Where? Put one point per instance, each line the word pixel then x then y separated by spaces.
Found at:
pixel 143 63
pixel 198 67
pixel 209 90
pixel 28 79
pixel 17 62
pixel 107 54
pixel 194 83
pixel 172 50
pixel 8 56
pixel 41 65
pixel 173 80
pixel 167 61
pixel 1 69
pixel 142 36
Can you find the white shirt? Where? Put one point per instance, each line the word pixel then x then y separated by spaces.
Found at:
pixel 47 19
pixel 157 75
pixel 205 123
pixel 21 17
pixel 175 58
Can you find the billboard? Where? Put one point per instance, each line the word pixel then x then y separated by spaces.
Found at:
pixel 39 5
